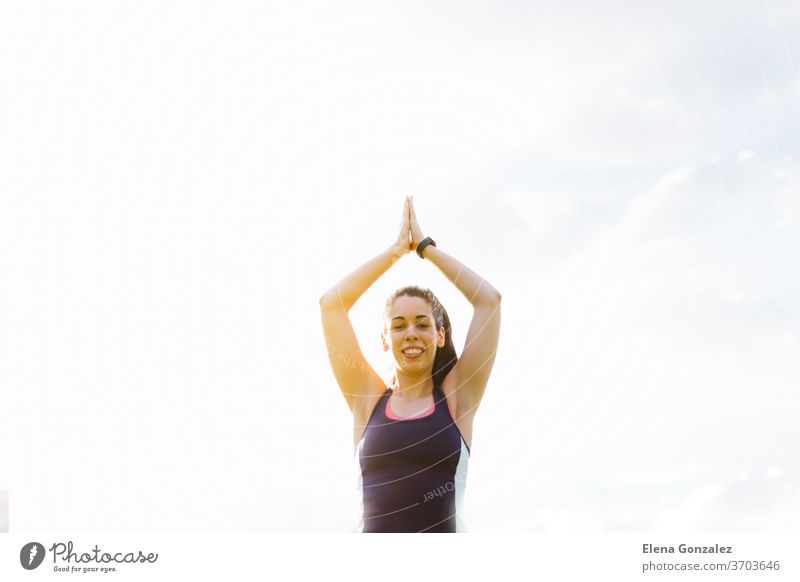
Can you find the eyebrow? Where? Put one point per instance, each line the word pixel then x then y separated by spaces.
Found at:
pixel 403 318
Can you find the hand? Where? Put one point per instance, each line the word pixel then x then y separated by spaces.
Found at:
pixel 416 232
pixel 403 243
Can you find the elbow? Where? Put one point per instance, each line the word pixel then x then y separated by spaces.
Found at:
pixel 328 302
pixel 491 299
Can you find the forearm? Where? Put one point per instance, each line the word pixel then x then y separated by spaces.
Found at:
pixel 347 291
pixel 476 289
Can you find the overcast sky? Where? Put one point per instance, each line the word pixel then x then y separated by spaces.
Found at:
pixel 180 182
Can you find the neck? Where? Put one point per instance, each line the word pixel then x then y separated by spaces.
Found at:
pixel 412 387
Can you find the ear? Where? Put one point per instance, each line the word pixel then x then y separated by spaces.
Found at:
pixel 383 341
pixel 440 341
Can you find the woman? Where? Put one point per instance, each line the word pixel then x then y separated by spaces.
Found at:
pixel 413 439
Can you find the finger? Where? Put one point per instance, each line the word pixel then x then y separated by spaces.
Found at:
pixel 410 236
pixel 404 219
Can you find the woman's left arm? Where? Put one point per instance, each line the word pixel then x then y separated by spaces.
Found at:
pixel 475 363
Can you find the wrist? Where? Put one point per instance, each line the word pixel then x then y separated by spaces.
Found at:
pixel 424 246
pixel 396 251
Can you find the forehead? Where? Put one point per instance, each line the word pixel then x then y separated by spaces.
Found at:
pixel 410 307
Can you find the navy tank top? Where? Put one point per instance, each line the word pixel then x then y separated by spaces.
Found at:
pixel 412 471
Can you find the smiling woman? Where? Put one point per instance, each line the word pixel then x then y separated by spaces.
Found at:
pixel 413 439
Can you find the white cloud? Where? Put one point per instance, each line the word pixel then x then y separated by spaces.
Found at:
pixel 774 472
pixel 692 513
pixel 745 155
pixel 539 211
pixel 675 178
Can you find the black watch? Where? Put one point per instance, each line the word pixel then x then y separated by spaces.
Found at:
pixel 425 242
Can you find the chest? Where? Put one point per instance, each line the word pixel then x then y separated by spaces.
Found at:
pixel 424 442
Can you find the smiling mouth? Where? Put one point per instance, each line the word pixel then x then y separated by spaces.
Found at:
pixel 413 353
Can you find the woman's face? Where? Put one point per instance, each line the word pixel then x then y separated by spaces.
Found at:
pixel 411 334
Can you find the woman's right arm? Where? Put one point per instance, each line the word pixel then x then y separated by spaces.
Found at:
pixel 356 378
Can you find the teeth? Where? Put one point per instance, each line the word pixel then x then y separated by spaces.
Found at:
pixel 412 351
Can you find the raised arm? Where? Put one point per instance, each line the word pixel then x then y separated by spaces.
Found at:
pixel 471 372
pixel 356 378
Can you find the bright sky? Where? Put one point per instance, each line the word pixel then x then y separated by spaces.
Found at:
pixel 182 181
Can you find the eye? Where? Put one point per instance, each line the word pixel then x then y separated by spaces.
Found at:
pixel 424 325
